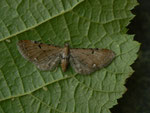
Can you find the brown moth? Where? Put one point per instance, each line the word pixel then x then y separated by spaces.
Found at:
pixel 47 57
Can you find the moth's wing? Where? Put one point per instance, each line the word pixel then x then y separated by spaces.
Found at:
pixel 86 61
pixel 45 56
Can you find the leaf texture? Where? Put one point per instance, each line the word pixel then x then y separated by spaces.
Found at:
pixel 82 23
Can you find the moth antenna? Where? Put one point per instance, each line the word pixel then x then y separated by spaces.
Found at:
pixel 51 41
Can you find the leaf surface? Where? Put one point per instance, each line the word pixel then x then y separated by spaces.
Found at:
pixel 84 24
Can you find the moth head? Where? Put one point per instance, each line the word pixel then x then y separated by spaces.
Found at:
pixel 66 45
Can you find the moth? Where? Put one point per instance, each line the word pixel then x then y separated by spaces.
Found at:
pixel 48 57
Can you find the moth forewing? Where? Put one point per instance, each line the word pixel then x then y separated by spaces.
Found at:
pixel 47 57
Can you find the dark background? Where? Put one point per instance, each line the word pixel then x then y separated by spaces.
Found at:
pixel 137 97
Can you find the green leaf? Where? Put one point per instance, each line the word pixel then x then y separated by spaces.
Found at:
pixel 82 23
